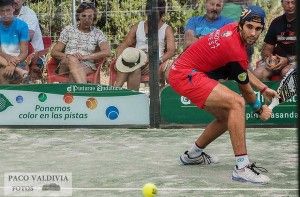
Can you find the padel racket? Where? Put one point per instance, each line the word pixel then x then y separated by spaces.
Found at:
pixel 286 89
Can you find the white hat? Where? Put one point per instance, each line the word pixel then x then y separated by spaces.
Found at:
pixel 130 60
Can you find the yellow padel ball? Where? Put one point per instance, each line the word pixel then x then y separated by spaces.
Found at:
pixel 149 190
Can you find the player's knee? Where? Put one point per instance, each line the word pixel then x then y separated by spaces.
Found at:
pixel 222 117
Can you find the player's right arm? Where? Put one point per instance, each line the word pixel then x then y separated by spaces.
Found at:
pixel 249 95
pixel 240 75
pixel 267 92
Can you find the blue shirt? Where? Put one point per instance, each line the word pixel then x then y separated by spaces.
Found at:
pixel 12 35
pixel 201 26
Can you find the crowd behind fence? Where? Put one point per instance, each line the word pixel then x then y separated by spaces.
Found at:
pixel 115 17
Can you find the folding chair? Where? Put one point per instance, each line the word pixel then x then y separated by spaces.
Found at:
pixel 53 77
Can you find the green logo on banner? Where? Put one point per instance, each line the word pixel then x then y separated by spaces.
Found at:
pixel 4 103
pixel 42 97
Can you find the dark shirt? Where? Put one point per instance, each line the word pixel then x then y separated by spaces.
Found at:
pixel 282 34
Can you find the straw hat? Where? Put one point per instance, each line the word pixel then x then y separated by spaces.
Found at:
pixel 130 60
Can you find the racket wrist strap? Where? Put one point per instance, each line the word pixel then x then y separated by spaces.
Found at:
pixel 256 106
pixel 264 89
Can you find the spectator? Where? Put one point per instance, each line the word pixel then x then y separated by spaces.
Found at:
pixel 14 39
pixel 138 37
pixel 36 60
pixel 28 15
pixel 199 26
pixel 279 49
pixel 131 60
pixel 77 46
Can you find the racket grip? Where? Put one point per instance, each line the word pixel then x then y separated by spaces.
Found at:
pixel 274 103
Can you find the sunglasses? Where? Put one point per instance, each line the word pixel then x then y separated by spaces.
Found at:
pixel 87 16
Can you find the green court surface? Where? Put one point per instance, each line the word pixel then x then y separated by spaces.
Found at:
pixel 118 162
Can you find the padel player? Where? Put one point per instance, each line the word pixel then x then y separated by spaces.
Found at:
pixel 195 74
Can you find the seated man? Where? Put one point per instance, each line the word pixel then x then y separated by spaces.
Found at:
pixel 279 49
pixel 137 37
pixel 76 48
pixel 199 26
pixel 13 45
pixel 29 16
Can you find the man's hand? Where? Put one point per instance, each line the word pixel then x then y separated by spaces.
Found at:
pixel 78 56
pixel 279 62
pixel 12 60
pixel 8 71
pixel 283 62
pixel 265 113
pixel 269 94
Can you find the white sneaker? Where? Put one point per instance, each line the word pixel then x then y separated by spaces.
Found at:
pixel 250 174
pixel 203 159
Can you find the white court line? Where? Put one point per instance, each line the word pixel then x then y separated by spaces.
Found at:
pixel 173 189
pixel 185 189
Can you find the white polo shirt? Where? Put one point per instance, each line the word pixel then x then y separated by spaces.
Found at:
pixel 29 16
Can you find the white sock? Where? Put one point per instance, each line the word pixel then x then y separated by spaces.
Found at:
pixel 195 151
pixel 242 161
